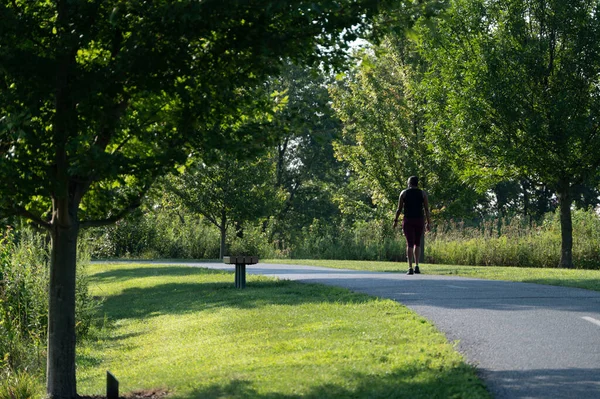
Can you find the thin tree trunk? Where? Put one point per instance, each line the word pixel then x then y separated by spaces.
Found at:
pixel 223 229
pixel 566 225
pixel 61 380
pixel 525 186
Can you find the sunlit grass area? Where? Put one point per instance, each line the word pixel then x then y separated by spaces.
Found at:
pixel 577 278
pixel 188 330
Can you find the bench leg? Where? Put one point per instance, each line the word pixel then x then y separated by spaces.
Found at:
pixel 240 275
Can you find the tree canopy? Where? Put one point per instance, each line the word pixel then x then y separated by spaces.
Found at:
pixel 514 92
pixel 381 104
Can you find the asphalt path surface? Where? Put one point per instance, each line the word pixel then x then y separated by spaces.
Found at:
pixel 527 340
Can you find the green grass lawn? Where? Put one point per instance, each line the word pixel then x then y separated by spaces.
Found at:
pixel 189 331
pixel 588 279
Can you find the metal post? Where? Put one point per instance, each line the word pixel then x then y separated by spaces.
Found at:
pixel 240 275
pixel 112 386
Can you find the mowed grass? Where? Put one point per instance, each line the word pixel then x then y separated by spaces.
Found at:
pixel 188 330
pixel 576 278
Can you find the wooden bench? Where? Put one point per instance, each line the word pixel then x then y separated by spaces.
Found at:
pixel 240 263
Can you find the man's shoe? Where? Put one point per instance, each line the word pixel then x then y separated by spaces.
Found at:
pixel 417 271
pixel 410 271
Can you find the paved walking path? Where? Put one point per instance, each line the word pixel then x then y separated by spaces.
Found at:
pixel 527 340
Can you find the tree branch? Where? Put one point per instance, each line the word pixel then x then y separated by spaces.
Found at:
pixel 210 218
pixel 133 205
pixel 20 211
pixel 111 220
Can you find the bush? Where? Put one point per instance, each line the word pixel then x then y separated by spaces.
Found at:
pixel 513 241
pixel 255 241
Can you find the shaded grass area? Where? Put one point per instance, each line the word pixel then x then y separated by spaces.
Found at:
pixel 188 330
pixel 576 278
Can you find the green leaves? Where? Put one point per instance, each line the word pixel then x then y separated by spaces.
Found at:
pixel 385 140
pixel 515 82
pixel 141 83
pixel 227 189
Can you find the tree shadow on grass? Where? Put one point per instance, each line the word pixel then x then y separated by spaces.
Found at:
pixel 183 298
pixel 140 272
pixel 399 383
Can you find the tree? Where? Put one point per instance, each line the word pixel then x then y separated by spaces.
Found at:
pixel 514 90
pixel 306 168
pixel 384 138
pixel 227 190
pixel 98 98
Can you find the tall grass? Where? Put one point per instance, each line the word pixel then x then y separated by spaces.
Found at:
pixel 498 242
pixel 158 234
pixel 373 240
pixel 491 242
pixel 23 301
pixel 516 242
pixel 24 276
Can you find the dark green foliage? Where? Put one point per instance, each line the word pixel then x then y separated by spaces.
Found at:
pixel 307 172
pixel 226 191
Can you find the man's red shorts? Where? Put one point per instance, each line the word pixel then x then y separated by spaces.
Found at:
pixel 413 230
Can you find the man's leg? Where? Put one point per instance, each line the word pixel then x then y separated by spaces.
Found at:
pixel 419 227
pixel 409 234
pixel 417 251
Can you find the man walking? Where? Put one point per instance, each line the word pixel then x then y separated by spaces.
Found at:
pixel 413 201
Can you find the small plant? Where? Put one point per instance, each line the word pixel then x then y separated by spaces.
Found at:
pixel 21 385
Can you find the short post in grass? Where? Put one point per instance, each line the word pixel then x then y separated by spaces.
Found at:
pixel 112 386
pixel 240 263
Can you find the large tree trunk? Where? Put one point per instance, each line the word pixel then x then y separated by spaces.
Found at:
pixel 60 366
pixel 61 382
pixel 566 225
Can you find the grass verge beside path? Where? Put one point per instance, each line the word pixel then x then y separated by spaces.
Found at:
pixel 190 331
pixel 577 278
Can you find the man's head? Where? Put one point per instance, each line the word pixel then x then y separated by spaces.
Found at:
pixel 413 181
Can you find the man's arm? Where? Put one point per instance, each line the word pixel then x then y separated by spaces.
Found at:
pixel 426 206
pixel 399 210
